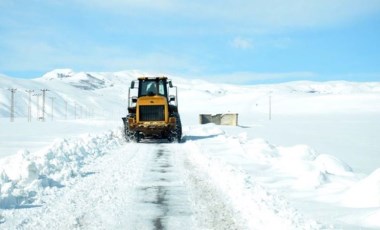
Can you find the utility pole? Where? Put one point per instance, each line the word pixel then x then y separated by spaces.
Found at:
pixel 43 103
pixel 30 91
pixel 12 115
pixel 52 108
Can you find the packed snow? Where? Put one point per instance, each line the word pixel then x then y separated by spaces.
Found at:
pixel 311 164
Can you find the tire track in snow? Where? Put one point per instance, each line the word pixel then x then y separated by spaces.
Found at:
pixel 161 199
pixel 173 194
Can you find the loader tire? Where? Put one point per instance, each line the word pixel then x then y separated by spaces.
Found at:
pixel 128 134
pixel 176 134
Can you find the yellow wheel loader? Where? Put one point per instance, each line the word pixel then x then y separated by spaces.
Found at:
pixel 152 114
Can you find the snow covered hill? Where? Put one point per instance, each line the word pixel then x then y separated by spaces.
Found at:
pixel 314 165
pixel 96 91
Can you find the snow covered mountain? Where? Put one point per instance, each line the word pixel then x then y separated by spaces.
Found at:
pixel 84 90
pixel 96 91
pixel 313 165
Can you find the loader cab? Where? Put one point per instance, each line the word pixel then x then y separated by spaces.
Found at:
pixel 148 87
pixel 152 87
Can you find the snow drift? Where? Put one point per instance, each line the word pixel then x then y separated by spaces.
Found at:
pixel 27 175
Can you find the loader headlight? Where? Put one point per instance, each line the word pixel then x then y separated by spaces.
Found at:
pixel 172 120
pixel 131 121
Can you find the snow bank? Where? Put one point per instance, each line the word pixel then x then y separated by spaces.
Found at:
pixel 365 193
pixel 260 149
pixel 332 165
pixel 304 165
pixel 301 165
pixel 256 169
pixel 302 152
pixel 26 175
pixel 258 208
pixel 228 161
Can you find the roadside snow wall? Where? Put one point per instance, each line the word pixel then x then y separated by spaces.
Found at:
pixel 25 176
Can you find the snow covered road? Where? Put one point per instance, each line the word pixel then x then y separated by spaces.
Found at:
pixel 217 179
pixel 149 186
pixel 160 199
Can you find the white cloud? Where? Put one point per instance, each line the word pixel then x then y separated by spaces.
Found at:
pixel 242 43
pixel 253 77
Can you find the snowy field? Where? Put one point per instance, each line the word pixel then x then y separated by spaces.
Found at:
pixel 314 165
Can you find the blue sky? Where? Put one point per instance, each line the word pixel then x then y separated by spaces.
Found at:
pixel 228 40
